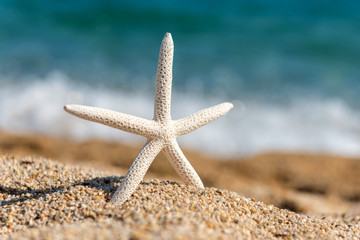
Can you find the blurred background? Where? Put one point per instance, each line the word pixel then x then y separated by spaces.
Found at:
pixel 291 69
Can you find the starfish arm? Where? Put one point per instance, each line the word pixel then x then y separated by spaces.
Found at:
pixel 182 165
pixel 122 121
pixel 164 80
pixel 201 118
pixel 137 171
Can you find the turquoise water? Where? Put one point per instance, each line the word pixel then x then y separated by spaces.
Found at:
pixel 292 69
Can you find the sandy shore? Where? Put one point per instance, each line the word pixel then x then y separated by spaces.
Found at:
pixel 299 182
pixel 43 199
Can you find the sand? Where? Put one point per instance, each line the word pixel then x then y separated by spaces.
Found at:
pixel 59 189
pixel 304 183
pixel 44 199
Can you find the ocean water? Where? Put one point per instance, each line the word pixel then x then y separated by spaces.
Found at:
pixel 291 69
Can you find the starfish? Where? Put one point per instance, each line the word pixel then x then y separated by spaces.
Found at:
pixel 161 132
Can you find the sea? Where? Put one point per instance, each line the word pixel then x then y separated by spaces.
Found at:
pixel 291 69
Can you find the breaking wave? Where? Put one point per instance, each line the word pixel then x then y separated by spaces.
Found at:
pixel 321 125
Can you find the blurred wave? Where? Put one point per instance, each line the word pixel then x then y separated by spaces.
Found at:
pixel 311 125
pixel 292 68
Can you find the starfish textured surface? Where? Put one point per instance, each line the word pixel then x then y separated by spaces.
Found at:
pixel 160 132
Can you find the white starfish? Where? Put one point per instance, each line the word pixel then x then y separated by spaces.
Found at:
pixel 160 132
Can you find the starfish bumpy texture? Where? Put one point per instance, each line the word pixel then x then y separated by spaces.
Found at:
pixel 161 132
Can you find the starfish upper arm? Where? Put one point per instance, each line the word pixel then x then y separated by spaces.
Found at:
pixel 201 118
pixel 114 119
pixel 164 80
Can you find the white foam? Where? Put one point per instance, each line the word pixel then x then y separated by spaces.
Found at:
pixel 251 127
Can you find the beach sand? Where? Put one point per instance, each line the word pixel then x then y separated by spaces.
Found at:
pixel 314 196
